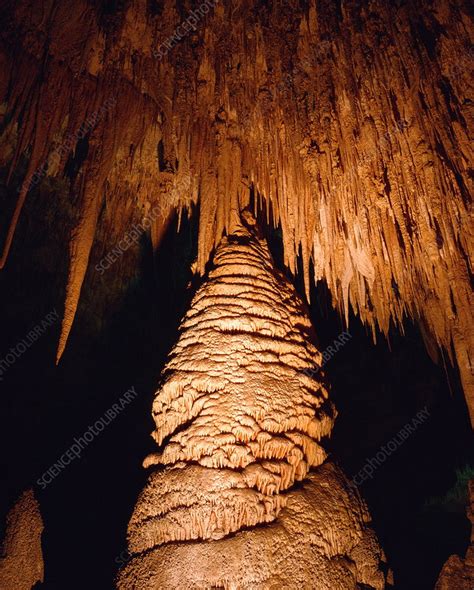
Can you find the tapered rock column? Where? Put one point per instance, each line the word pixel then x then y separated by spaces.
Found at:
pixel 21 556
pixel 240 494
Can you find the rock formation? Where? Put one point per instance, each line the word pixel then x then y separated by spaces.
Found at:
pixel 21 560
pixel 457 573
pixel 349 120
pixel 241 494
pixel 320 541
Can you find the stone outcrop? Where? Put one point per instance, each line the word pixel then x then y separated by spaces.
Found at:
pixel 458 573
pixel 21 560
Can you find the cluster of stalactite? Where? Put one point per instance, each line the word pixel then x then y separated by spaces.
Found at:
pixel 350 120
pixel 240 420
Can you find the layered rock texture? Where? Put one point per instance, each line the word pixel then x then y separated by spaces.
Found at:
pixel 349 120
pixel 320 541
pixel 21 560
pixel 241 423
pixel 458 573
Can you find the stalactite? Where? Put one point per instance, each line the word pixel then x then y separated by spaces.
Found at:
pixel 101 146
pixel 44 114
pixel 79 251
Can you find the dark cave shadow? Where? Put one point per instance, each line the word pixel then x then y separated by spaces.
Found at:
pixel 86 508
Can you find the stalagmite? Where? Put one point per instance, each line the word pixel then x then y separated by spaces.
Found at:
pixel 241 494
pixel 457 573
pixel 21 560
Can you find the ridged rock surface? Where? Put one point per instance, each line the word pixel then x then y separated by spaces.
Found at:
pixel 320 541
pixel 241 422
pixel 21 560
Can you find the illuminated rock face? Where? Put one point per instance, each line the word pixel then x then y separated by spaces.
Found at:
pixel 351 120
pixel 243 424
pixel 319 541
pixel 21 562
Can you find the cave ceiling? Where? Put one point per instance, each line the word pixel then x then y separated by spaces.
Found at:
pixel 351 122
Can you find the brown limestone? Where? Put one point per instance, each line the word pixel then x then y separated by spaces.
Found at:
pixel 242 497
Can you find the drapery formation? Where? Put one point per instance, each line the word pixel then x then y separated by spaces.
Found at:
pixel 350 120
pixel 241 419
